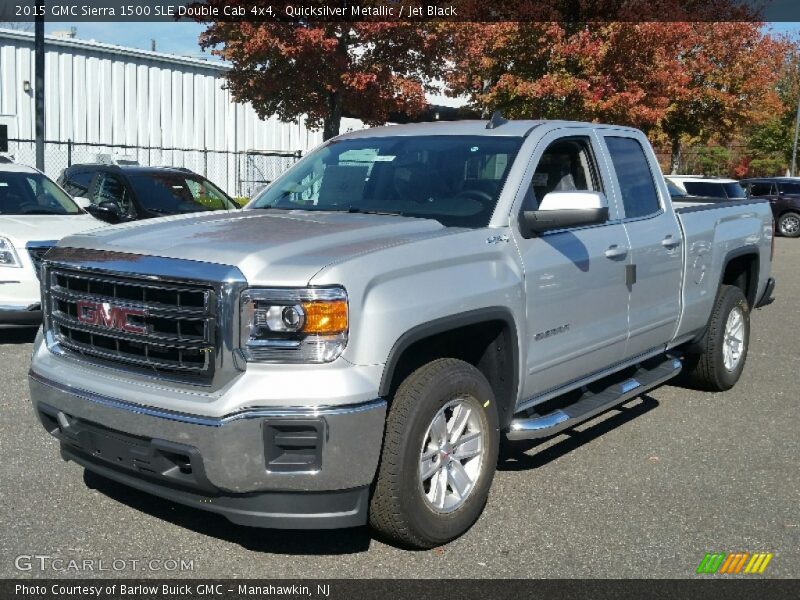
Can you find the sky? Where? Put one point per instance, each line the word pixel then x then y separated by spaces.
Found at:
pixel 181 38
pixel 172 38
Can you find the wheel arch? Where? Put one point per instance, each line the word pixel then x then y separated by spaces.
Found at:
pixel 487 338
pixel 740 267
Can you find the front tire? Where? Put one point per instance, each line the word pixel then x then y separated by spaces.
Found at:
pixel 439 455
pixel 789 225
pixel 723 350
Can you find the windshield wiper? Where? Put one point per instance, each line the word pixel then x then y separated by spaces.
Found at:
pixel 364 211
pixel 42 211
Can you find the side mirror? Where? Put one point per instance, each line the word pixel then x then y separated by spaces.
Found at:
pixel 106 211
pixel 84 203
pixel 559 210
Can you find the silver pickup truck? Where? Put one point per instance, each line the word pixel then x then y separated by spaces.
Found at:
pixel 353 345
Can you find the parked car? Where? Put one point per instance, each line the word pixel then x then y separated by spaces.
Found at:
pixel 675 192
pixel 708 187
pixel 34 214
pixel 783 194
pixel 119 193
pixel 353 344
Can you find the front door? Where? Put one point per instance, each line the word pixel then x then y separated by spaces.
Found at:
pixel 577 300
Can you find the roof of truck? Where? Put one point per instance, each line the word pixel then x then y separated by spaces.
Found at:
pixel 509 128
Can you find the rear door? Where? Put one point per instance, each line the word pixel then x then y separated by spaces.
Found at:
pixel 654 236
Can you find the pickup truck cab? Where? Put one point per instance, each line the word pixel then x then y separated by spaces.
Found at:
pixel 353 345
pixel 34 214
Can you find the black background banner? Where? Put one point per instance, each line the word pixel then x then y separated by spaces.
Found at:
pixel 389 10
pixel 704 587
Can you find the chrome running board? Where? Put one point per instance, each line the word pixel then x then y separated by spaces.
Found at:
pixel 591 404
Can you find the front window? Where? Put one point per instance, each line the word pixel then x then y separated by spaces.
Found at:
pixel 172 193
pixel 455 180
pixel 33 194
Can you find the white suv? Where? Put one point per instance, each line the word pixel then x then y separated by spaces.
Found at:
pixel 708 187
pixel 34 214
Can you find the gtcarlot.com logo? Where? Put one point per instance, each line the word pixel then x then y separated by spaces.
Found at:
pixel 734 563
pixel 43 562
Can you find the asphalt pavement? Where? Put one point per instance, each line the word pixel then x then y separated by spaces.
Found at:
pixel 644 491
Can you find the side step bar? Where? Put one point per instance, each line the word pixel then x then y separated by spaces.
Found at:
pixel 591 404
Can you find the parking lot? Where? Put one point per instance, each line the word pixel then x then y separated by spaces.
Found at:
pixel 644 491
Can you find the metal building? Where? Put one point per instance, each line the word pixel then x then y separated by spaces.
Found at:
pixel 160 109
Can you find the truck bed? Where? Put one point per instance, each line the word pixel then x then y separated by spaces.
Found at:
pixel 715 231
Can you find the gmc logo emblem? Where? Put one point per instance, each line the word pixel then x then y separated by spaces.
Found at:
pixel 104 314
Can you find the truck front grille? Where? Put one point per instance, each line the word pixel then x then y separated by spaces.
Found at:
pixel 166 327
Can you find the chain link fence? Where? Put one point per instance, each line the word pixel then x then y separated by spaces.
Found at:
pixel 240 174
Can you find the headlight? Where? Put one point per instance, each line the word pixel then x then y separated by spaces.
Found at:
pixel 8 256
pixel 293 325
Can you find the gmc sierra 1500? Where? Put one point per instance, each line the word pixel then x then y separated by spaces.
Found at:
pixel 353 345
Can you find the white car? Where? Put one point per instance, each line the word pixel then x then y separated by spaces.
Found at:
pixel 34 214
pixel 708 187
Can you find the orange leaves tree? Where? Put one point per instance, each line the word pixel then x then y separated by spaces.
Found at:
pixel 676 80
pixel 323 71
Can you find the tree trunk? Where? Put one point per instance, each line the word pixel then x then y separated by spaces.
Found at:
pixel 675 160
pixel 333 120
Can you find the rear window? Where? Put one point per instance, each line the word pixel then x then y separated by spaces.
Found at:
pixel 789 188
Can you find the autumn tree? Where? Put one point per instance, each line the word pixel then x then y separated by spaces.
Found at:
pixel 769 142
pixel 729 72
pixel 676 80
pixel 322 71
pixel 615 72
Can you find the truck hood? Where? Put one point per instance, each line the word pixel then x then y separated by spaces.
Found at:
pixel 268 247
pixel 21 229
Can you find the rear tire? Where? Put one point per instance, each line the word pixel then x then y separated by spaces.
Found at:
pixel 789 225
pixel 439 455
pixel 720 360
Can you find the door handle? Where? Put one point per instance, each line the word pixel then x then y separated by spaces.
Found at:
pixel 670 242
pixel 615 251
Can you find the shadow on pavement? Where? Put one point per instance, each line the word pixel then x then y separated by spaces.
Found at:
pixel 275 541
pixel 21 335
pixel 516 456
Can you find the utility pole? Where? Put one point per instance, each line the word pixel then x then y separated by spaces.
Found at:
pixel 38 98
pixel 793 167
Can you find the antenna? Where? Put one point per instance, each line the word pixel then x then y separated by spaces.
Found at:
pixel 496 120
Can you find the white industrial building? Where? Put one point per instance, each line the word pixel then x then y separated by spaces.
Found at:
pixel 112 100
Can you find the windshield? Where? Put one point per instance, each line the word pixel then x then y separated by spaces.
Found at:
pixel 715 189
pixel 453 179
pixel 33 194
pixel 173 193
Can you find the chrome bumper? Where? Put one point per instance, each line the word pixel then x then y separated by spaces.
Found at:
pixel 239 453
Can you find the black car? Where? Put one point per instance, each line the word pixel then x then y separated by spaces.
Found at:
pixel 783 194
pixel 119 193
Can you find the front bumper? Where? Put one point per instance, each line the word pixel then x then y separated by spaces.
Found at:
pixel 292 468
